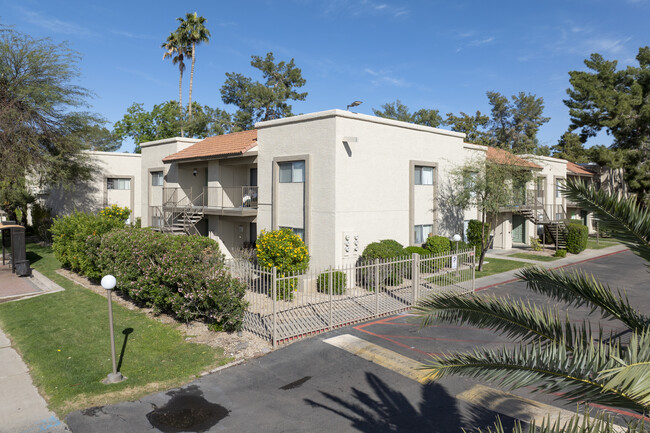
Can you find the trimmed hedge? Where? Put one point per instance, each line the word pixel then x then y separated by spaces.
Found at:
pixel 417 250
pixel 577 236
pixel 184 275
pixel 560 253
pixel 339 281
pixel 76 238
pixel 385 249
pixel 474 228
pixel 438 244
pixel 287 252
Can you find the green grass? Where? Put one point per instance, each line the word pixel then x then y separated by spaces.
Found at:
pixel 64 339
pixel 497 266
pixel 533 257
pixel 603 243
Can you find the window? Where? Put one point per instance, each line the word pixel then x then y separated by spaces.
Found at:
pixel 116 183
pixel 423 175
pixel 156 178
pixel 296 231
pixel 292 172
pixel 558 185
pixel 422 232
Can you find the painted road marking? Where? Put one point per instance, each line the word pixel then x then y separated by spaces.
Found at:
pixel 492 399
pixel 379 355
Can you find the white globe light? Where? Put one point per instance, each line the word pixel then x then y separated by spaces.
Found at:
pixel 456 238
pixel 109 282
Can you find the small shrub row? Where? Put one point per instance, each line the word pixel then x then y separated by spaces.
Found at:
pixel 577 236
pixel 184 275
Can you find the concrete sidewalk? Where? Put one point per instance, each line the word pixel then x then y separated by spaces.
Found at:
pixel 509 276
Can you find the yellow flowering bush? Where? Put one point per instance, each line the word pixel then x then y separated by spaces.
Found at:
pixel 114 211
pixel 285 251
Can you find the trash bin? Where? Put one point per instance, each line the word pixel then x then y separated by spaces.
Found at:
pixel 19 262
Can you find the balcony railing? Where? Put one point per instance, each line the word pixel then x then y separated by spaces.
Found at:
pixel 215 197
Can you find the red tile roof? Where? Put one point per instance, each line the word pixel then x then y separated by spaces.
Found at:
pixel 504 157
pixel 232 144
pixel 576 169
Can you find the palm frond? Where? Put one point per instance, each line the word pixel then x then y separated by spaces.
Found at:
pixel 632 374
pixel 549 368
pixel 578 289
pixel 512 318
pixel 600 423
pixel 625 217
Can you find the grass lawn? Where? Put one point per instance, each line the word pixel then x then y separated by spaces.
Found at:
pixel 533 257
pixel 603 243
pixel 64 339
pixel 496 266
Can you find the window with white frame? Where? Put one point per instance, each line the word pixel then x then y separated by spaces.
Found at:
pixel 296 231
pixel 422 232
pixel 423 175
pixel 292 172
pixel 157 178
pixel 118 183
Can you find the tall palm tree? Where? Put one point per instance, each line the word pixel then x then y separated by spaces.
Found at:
pixel 176 48
pixel 193 29
pixel 553 354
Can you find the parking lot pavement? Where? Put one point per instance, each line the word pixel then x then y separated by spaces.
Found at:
pixel 358 378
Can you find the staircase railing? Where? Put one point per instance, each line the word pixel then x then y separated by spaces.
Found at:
pixel 181 208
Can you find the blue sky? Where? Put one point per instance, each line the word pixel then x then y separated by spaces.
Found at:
pixel 429 54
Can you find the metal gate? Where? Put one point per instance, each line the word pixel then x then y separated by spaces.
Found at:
pixel 293 305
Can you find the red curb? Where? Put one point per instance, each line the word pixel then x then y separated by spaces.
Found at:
pixel 558 267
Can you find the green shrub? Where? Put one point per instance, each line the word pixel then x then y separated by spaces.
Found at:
pixel 391 274
pixel 42 221
pixel 338 281
pixel 560 253
pixel 536 244
pixel 395 247
pixel 416 250
pixel 114 211
pixel 183 275
pixel 285 251
pixel 474 229
pixel 577 236
pixel 76 238
pixel 438 244
pixel 377 250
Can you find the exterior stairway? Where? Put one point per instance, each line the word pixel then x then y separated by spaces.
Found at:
pixel 534 210
pixel 179 215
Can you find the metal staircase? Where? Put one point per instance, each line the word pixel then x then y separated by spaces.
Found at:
pixel 535 210
pixel 180 212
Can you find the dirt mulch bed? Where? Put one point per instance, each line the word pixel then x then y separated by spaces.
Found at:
pixel 240 348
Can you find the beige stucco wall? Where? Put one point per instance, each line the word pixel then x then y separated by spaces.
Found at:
pixel 93 195
pixel 359 181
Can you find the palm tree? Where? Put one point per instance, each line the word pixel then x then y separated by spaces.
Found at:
pixel 553 354
pixel 176 48
pixel 193 29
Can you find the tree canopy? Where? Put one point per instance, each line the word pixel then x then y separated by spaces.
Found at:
pixel 43 127
pixel 617 101
pixel 398 111
pixel 164 121
pixel 259 101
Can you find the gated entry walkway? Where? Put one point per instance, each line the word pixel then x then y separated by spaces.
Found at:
pixel 312 302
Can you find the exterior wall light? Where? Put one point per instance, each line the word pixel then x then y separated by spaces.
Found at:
pixel 108 283
pixel 354 104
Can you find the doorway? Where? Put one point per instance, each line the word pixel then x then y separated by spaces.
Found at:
pixel 518 229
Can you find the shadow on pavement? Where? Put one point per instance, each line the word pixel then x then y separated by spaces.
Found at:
pixel 390 411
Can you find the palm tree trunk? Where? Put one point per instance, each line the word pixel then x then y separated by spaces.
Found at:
pixel 191 79
pixel 180 101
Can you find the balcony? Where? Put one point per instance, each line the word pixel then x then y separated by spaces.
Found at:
pixel 214 200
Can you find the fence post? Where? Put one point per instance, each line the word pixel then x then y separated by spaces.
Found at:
pixel 474 269
pixel 376 287
pixel 415 279
pixel 274 283
pixel 329 284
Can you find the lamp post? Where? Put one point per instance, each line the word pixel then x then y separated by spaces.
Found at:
pixel 456 238
pixel 108 283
